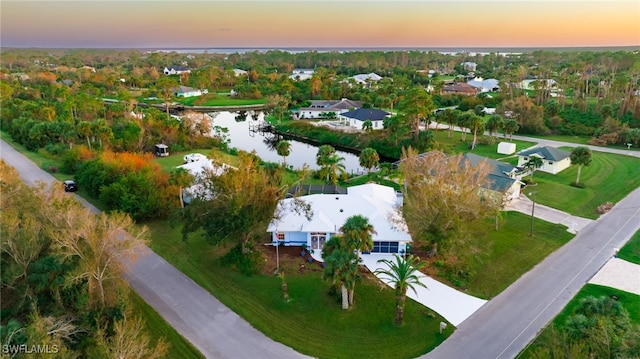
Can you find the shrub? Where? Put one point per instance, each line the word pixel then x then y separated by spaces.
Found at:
pixel 247 264
pixel 604 208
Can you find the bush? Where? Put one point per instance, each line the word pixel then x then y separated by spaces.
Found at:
pixel 247 264
pixel 604 208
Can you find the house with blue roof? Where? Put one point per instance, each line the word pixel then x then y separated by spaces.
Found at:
pixel 358 117
pixel 553 160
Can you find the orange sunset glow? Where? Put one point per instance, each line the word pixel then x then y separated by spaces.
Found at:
pixel 426 23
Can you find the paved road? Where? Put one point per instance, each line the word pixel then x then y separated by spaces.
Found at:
pixel 545 142
pixel 507 323
pixel 210 326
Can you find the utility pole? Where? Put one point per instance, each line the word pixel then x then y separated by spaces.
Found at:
pixel 533 208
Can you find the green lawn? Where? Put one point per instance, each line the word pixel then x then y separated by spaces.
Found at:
pixel 510 252
pixel 631 251
pixel 630 302
pixel 218 100
pixel 609 178
pixel 454 144
pixel 312 322
pixel 158 328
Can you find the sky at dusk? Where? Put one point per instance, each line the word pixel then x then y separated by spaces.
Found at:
pixel 328 23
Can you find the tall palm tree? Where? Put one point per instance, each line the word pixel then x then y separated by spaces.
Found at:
pixel 369 158
pixel 333 168
pixel 580 156
pixel 402 274
pixel 341 267
pixel 510 127
pixel 494 123
pixel 283 148
pixel 476 124
pixel 357 234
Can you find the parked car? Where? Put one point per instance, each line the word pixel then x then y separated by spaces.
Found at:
pixel 70 186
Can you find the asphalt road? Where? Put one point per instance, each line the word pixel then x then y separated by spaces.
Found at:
pixel 507 323
pixel 210 326
pixel 500 329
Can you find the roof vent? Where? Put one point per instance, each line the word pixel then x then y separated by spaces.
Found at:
pixel 337 198
pixel 341 210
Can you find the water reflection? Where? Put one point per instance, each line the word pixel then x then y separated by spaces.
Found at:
pixel 241 137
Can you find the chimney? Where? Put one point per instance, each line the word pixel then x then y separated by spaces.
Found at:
pixel 399 198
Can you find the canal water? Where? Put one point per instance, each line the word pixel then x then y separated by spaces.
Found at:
pixel 242 137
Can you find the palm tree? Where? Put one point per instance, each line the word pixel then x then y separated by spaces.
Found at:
pixel 341 267
pixel 367 126
pixel 532 165
pixel 476 125
pixel 494 123
pixel 510 127
pixel 283 148
pixel 324 152
pixel 369 158
pixel 402 274
pixel 463 121
pixel 580 156
pixel 357 235
pixel 333 168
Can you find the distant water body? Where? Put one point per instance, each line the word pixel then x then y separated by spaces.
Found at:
pixel 444 50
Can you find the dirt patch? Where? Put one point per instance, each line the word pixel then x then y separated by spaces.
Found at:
pixel 291 260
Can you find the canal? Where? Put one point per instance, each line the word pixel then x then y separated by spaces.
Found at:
pixel 242 137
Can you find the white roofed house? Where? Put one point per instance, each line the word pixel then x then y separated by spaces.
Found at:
pixel 176 70
pixel 186 91
pixel 301 74
pixel 198 165
pixel 319 108
pixel 488 85
pixel 366 80
pixel 330 211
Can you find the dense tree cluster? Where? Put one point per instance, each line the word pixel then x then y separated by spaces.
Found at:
pixel 61 275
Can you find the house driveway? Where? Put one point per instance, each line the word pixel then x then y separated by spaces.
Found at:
pixel 524 205
pixel 452 304
pixel 620 274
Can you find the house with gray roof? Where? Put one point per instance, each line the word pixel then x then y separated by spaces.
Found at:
pixel 553 159
pixel 176 70
pixel 503 177
pixel 357 118
pixel 488 85
pixel 319 108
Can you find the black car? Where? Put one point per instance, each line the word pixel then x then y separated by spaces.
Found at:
pixel 70 186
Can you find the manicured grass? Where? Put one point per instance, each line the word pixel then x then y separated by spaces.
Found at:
pixel 631 251
pixel 630 302
pixel 510 252
pixel 609 178
pixel 454 144
pixel 572 139
pixel 312 322
pixel 158 328
pixel 218 100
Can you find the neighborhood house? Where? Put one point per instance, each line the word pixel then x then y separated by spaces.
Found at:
pixel 176 70
pixel 186 91
pixel 322 108
pixel 330 211
pixel 357 118
pixel 553 159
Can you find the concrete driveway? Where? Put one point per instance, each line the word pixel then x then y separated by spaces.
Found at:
pixel 525 205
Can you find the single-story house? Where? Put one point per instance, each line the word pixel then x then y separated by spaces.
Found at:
pixel 301 74
pixel 469 66
pixel 176 70
pixel 186 91
pixel 366 80
pixel 330 211
pixel 548 84
pixel 239 72
pixel 461 89
pixel 503 177
pixel 320 107
pixel 357 118
pixel 553 159
pixel 197 165
pixel 488 85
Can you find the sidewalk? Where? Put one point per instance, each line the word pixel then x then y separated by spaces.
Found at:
pixel 453 305
pixel 524 205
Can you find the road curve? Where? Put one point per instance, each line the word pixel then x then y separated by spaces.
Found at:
pixel 508 322
pixel 209 325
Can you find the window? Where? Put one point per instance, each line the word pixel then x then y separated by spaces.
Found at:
pixel 318 239
pixel 385 247
pixel 280 236
pixel 550 163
